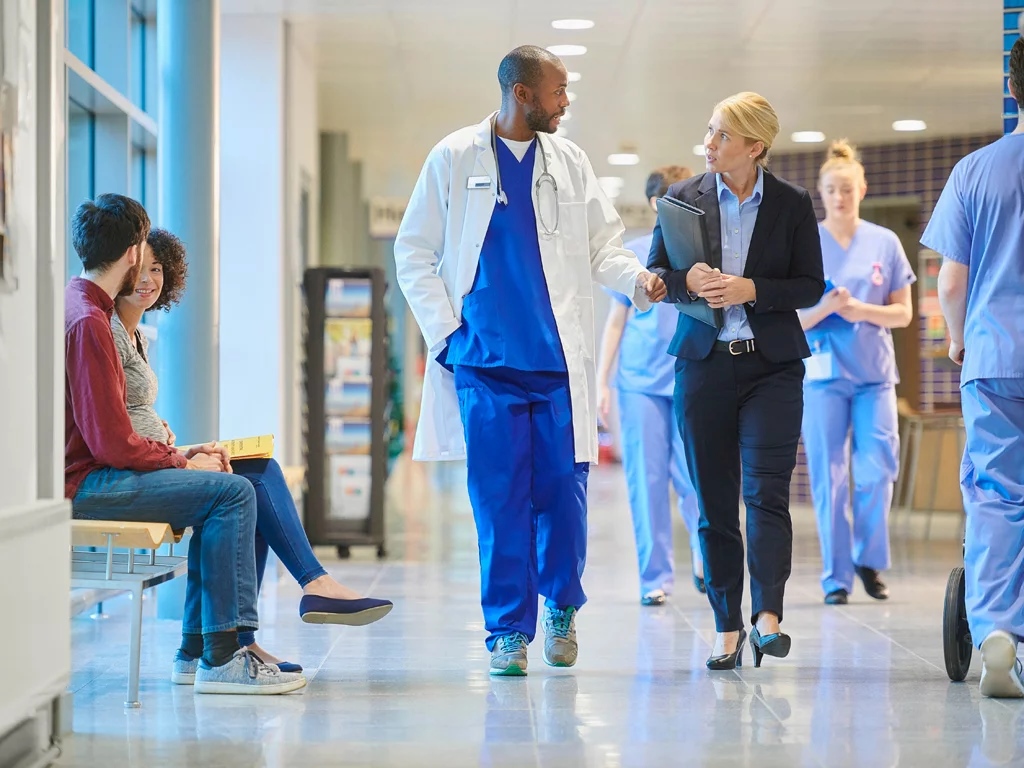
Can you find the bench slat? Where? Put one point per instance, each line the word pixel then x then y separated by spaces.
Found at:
pixel 93 533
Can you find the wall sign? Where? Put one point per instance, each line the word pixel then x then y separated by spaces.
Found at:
pixel 385 215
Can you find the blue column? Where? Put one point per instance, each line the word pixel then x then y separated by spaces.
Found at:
pixel 188 46
pixel 1013 27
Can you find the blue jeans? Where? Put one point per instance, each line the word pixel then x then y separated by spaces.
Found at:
pixel 277 526
pixel 220 592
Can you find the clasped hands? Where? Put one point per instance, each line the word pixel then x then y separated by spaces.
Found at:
pixel 718 289
pixel 210 457
pixel 839 301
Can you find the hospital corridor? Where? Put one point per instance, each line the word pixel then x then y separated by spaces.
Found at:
pixel 511 383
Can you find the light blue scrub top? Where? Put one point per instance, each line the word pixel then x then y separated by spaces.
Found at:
pixel 644 362
pixel 738 222
pixel 979 222
pixel 873 267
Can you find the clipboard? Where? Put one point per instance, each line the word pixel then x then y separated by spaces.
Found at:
pixel 684 230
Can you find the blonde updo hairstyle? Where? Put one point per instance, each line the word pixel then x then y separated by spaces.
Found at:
pixel 752 117
pixel 842 157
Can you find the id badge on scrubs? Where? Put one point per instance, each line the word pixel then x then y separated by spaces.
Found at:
pixel 819 367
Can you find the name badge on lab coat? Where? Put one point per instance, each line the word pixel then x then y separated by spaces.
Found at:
pixel 819 367
pixel 478 182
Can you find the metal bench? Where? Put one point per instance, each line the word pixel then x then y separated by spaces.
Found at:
pixel 100 567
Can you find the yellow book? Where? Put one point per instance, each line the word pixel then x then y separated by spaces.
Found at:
pixel 261 447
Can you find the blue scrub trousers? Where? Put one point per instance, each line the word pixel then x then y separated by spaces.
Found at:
pixel 653 456
pixel 992 483
pixel 529 495
pixel 832 411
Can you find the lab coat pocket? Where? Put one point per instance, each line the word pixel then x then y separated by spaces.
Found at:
pixel 572 229
pixel 821 365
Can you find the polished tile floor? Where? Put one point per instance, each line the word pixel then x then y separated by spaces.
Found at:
pixel 864 686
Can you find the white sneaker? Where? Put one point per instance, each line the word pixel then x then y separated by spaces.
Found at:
pixel 246 674
pixel 1000 670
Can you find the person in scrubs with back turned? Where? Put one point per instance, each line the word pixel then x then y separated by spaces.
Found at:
pixel 652 450
pixel 506 231
pixel 978 227
pixel 850 382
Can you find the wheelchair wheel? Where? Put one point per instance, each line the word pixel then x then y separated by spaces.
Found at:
pixel 956 635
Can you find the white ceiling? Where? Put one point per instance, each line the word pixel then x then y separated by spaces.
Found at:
pixel 397 75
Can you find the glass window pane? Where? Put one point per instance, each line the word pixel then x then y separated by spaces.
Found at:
pixel 139 59
pixel 139 173
pixel 81 28
pixel 81 170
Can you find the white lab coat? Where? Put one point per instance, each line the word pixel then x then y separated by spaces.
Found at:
pixel 437 251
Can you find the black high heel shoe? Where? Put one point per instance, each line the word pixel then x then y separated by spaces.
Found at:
pixel 776 645
pixel 729 660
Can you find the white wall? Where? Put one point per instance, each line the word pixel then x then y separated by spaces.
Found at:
pixel 269 154
pixel 302 170
pixel 34 531
pixel 252 224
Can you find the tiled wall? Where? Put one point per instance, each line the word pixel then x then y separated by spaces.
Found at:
pixel 917 168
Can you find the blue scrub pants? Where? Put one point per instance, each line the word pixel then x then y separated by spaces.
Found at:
pixel 992 483
pixel 653 456
pixel 832 411
pixel 529 496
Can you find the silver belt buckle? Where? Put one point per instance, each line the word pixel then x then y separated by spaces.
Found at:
pixel 747 347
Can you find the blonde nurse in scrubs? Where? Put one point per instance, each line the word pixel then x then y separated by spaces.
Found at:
pixel 850 384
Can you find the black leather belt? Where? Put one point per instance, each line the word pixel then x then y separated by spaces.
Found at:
pixel 739 347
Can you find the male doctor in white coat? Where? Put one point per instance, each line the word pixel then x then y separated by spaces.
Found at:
pixel 505 233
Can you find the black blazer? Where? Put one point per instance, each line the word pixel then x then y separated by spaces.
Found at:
pixel 784 261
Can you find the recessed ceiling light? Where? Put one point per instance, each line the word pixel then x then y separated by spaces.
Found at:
pixel 566 117
pixel 808 137
pixel 570 95
pixel 572 24
pixel 567 50
pixel 623 158
pixel 698 149
pixel 575 77
pixel 909 125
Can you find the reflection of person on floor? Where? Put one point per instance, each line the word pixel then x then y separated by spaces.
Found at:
pixel 850 383
pixel 976 227
pixel 652 449
pixel 159 286
pixel 505 233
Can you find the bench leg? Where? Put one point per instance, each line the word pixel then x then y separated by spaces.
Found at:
pixel 135 651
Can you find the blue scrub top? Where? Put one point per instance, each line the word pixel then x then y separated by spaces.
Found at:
pixel 644 362
pixel 979 222
pixel 507 320
pixel 872 268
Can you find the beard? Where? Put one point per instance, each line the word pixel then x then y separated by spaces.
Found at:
pixel 538 120
pixel 130 280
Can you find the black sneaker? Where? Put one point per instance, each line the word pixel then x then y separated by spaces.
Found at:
pixel 873 585
pixel 837 597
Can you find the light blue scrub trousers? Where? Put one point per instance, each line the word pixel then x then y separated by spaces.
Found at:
pixel 832 410
pixel 529 495
pixel 992 483
pixel 652 456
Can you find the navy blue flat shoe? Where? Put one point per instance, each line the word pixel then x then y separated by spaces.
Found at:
pixel 287 666
pixel 314 609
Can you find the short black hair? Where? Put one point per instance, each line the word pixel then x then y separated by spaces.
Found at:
pixel 661 179
pixel 525 65
pixel 104 228
pixel 1017 71
pixel 169 253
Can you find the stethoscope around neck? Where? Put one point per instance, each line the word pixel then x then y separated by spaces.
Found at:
pixel 544 180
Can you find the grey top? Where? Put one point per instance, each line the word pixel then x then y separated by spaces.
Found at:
pixel 142 385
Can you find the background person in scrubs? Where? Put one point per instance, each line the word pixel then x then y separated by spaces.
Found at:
pixel 850 383
pixel 505 234
pixel 978 227
pixel 652 450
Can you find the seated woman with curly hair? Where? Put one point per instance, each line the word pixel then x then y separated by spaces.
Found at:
pixel 160 285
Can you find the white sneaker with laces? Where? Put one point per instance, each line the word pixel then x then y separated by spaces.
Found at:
pixel 1000 670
